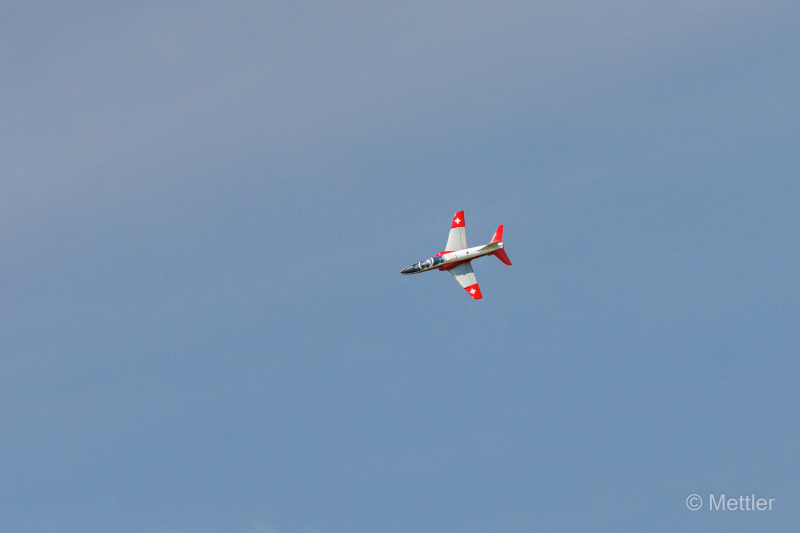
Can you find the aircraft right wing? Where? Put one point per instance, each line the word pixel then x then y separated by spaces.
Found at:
pixel 457 240
pixel 466 278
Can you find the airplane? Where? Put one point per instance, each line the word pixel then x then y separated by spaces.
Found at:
pixel 457 258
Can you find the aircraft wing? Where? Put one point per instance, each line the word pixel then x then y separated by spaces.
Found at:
pixel 466 277
pixel 457 240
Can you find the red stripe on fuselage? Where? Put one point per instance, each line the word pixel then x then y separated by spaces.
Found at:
pixel 448 266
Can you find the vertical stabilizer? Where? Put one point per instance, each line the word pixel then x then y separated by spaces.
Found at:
pixel 498 235
pixel 501 253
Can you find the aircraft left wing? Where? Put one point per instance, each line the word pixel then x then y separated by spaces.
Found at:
pixel 466 278
pixel 457 238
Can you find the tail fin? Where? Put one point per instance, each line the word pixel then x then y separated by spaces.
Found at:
pixel 501 253
pixel 498 235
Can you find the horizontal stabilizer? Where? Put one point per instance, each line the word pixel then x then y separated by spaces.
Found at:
pixel 501 255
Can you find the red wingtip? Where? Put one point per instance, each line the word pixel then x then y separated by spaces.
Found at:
pixel 498 235
pixel 474 291
pixel 458 220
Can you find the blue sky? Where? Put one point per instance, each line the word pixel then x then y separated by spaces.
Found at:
pixel 204 210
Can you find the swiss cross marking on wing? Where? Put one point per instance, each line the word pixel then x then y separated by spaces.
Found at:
pixel 458 220
pixel 472 291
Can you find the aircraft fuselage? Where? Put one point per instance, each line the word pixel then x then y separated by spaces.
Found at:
pixel 447 260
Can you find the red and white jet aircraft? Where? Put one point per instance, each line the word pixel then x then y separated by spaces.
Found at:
pixel 456 257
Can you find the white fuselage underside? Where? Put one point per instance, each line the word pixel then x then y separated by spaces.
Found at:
pixel 467 254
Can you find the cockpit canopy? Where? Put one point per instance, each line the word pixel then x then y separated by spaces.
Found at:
pixel 422 266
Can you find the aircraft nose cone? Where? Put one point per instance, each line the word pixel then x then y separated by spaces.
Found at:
pixel 409 269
